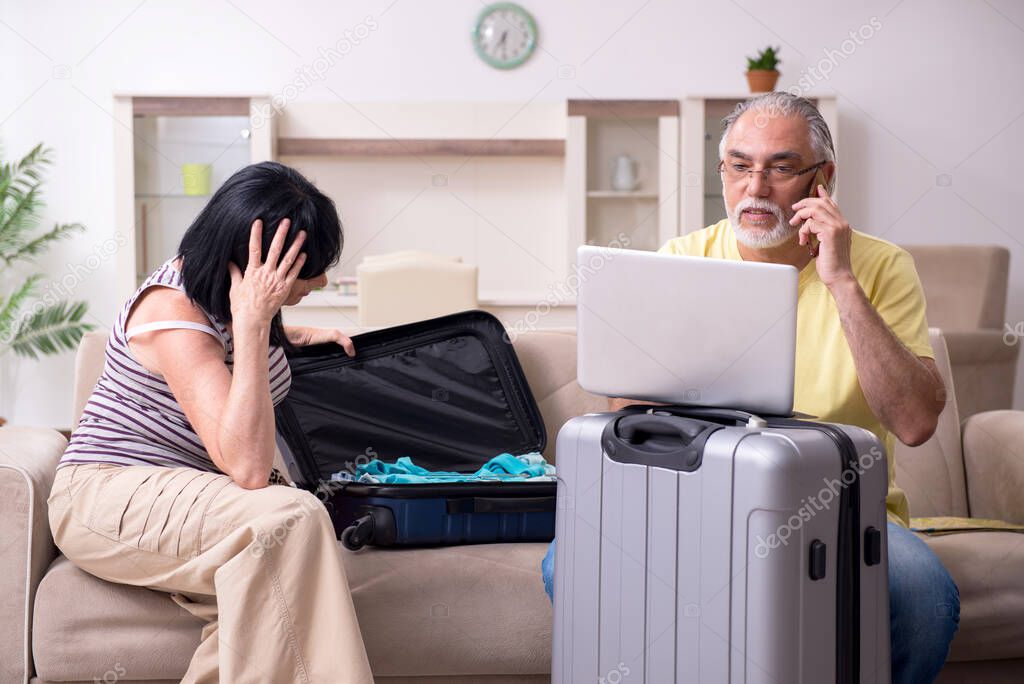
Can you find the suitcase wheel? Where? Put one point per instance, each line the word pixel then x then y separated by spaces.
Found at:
pixel 358 534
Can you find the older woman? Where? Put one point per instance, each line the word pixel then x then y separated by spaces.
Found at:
pixel 168 480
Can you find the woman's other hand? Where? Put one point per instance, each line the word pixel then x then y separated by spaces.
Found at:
pixel 301 336
pixel 258 294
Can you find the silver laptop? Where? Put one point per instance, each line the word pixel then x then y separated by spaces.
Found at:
pixel 686 330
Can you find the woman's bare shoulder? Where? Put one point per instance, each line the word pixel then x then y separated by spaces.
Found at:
pixel 156 349
pixel 160 303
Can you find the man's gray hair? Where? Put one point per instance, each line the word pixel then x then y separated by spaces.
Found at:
pixel 780 103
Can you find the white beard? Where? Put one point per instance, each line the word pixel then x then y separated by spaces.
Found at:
pixel 761 238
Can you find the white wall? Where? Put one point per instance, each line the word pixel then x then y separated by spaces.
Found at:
pixel 935 90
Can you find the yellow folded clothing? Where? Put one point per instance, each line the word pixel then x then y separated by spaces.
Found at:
pixel 949 525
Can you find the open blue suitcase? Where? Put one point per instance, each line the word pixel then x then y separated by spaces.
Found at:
pixel 447 392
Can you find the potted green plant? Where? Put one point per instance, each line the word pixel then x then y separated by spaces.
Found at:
pixel 762 74
pixel 32 324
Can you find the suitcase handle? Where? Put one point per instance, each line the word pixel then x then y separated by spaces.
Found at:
pixel 630 428
pixel 485 504
pixel 711 412
pixel 718 414
pixel 691 412
pixel 657 440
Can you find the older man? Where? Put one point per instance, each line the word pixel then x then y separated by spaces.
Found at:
pixel 863 355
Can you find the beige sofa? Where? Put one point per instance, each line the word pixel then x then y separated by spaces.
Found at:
pixel 472 614
pixel 965 287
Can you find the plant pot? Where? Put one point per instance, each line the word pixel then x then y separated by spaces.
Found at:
pixel 762 80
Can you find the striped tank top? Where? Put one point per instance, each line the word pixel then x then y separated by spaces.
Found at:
pixel 132 418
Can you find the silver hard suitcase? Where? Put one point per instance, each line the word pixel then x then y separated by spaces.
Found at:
pixel 704 546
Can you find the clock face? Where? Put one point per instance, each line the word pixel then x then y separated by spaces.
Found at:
pixel 505 35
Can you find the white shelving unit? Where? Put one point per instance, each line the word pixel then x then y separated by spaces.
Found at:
pixel 153 137
pixel 619 194
pixel 478 180
pixel 598 131
pixel 510 188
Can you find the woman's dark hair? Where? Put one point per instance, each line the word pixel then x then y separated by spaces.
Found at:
pixel 271 192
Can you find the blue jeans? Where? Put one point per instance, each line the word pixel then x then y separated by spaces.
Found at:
pixel 924 606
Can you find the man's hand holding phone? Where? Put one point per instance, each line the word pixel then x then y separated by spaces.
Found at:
pixel 826 233
pixel 819 179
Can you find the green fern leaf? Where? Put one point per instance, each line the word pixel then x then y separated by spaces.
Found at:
pixel 13 305
pixel 38 245
pixel 54 328
pixel 20 202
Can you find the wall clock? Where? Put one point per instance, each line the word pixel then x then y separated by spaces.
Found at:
pixel 505 35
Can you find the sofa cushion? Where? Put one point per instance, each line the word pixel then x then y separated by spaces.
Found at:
pixel 88 366
pixel 986 567
pixel 964 285
pixel 548 358
pixel 85 628
pixel 932 474
pixel 476 609
pixel 472 610
pixel 28 456
pixel 984 369
pixel 987 671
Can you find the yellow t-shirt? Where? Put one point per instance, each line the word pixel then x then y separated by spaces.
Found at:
pixel 826 383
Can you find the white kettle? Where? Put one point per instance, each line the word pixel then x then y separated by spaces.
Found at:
pixel 624 176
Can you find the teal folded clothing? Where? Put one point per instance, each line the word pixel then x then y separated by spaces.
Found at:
pixel 529 467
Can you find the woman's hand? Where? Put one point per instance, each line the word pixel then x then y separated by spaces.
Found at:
pixel 301 336
pixel 258 295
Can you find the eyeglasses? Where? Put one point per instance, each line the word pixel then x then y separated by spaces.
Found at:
pixel 778 175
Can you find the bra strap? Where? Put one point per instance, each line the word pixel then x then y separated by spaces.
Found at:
pixel 170 325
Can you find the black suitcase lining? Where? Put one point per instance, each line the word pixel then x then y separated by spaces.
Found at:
pixel 482 371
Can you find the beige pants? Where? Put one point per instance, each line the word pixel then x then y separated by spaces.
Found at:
pixel 261 566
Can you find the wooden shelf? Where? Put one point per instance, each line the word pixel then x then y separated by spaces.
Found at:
pixel 523 147
pixel 623 109
pixel 190 106
pixel 737 96
pixel 615 194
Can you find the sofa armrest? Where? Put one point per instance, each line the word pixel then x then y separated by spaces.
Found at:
pixel 994 465
pixel 984 368
pixel 983 345
pixel 28 458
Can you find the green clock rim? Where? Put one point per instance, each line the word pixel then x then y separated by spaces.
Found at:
pixel 494 7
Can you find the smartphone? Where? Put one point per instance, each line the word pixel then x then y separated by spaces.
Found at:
pixel 819 179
